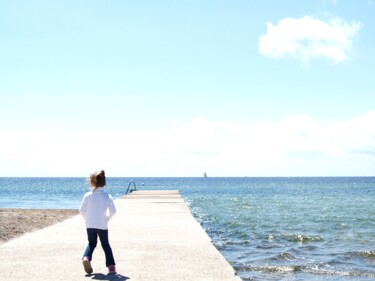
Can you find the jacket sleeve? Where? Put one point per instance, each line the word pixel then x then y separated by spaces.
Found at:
pixel 83 207
pixel 111 208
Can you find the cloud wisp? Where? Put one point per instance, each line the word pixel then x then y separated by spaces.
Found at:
pixel 294 146
pixel 309 38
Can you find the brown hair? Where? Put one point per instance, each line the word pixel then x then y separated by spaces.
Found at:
pixel 97 179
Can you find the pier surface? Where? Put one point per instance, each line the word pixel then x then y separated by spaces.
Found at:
pixel 153 237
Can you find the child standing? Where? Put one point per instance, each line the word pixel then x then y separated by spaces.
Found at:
pixel 97 208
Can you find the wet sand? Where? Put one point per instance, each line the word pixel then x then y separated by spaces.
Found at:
pixel 16 222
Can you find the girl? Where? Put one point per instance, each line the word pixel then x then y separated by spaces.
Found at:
pixel 97 208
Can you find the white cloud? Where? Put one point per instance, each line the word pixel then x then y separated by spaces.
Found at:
pixel 295 146
pixel 308 38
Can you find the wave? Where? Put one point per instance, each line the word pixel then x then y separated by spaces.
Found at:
pixel 271 268
pixel 234 242
pixel 292 237
pixel 302 238
pixel 366 254
pixel 284 257
pixel 311 269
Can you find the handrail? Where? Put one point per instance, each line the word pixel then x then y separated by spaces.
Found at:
pixel 130 190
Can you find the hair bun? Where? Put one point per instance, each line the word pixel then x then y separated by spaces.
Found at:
pixel 97 179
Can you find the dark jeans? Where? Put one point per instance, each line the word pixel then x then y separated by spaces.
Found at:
pixel 92 235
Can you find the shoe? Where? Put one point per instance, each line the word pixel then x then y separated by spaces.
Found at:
pixel 87 265
pixel 112 269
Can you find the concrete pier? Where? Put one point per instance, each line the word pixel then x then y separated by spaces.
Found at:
pixel 153 237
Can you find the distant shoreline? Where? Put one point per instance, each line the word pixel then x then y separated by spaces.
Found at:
pixel 16 221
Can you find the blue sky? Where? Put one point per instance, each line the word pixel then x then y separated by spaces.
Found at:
pixel 178 88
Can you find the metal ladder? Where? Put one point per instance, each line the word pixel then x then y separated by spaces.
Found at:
pixel 130 188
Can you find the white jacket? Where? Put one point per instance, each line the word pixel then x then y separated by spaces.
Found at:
pixel 97 208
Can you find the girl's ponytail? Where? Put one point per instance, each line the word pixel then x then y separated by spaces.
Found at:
pixel 97 179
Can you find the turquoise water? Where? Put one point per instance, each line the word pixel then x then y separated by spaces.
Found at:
pixel 267 228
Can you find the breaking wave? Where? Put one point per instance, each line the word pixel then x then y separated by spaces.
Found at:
pixel 311 269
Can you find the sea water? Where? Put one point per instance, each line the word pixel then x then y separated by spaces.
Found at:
pixel 267 228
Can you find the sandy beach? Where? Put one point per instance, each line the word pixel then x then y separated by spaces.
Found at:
pixel 16 222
